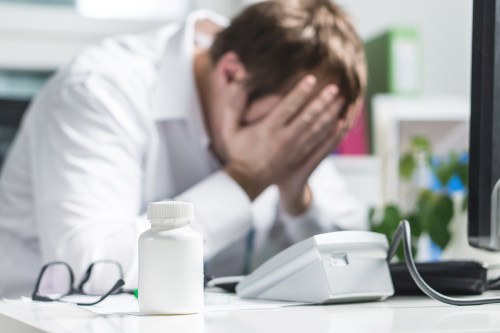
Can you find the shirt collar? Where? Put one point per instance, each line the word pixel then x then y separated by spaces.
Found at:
pixel 175 95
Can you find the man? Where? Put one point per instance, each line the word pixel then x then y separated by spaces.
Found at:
pixel 236 127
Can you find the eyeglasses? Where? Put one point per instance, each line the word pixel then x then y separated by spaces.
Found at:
pixel 56 281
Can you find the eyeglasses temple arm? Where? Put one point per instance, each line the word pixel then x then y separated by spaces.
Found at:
pixel 117 286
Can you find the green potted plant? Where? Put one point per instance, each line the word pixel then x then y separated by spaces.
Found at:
pixel 429 209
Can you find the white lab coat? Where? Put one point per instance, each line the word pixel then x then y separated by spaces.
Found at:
pixel 117 128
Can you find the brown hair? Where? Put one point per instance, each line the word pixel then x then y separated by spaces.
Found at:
pixel 280 41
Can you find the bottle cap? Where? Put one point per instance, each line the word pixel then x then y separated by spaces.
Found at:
pixel 177 210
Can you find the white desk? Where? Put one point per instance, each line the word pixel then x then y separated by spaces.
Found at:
pixel 408 314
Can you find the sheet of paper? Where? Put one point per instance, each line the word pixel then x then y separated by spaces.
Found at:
pixel 127 304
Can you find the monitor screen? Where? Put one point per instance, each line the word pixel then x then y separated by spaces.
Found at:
pixel 484 164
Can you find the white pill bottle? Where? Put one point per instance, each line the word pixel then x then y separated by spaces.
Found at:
pixel 170 261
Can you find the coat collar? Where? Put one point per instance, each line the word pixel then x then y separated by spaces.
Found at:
pixel 175 95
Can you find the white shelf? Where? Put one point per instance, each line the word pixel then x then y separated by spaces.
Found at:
pixel 38 37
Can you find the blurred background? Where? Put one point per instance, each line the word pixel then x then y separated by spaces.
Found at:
pixel 419 56
pixel 42 34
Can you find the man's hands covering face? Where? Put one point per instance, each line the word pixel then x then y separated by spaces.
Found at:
pixel 286 145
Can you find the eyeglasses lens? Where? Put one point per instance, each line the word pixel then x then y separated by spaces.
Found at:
pixel 102 278
pixel 55 281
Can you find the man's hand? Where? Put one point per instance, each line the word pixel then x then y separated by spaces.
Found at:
pixel 296 196
pixel 275 148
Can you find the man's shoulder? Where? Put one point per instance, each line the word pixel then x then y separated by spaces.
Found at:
pixel 120 70
pixel 129 61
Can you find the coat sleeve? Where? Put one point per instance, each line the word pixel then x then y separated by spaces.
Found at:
pixel 87 152
pixel 222 212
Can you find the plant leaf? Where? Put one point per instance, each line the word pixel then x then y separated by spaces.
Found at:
pixel 388 225
pixel 415 224
pixel 423 208
pixel 441 214
pixel 407 165
pixel 420 143
pixel 463 173
pixel 444 172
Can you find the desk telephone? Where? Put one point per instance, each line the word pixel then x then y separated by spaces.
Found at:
pixel 347 266
pixel 334 267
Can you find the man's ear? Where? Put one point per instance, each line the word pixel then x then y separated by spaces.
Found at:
pixel 229 68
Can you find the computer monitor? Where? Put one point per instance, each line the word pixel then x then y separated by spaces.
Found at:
pixel 484 162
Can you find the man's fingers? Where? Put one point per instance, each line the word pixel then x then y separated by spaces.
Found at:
pixel 315 157
pixel 293 102
pixel 326 102
pixel 317 133
pixel 316 122
pixel 321 130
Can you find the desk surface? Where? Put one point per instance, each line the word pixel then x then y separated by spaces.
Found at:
pixel 398 314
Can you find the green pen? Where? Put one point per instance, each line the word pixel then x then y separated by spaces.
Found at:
pixel 136 293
